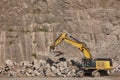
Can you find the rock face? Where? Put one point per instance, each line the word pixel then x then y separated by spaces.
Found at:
pixel 29 27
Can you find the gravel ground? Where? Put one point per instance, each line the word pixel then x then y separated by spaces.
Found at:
pixel 32 78
pixel 115 76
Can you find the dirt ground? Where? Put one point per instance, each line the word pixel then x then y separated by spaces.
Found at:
pixel 115 76
pixel 85 78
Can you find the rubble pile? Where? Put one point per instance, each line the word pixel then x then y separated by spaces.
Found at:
pixel 41 68
pixel 116 63
pixel 117 68
pixel 45 68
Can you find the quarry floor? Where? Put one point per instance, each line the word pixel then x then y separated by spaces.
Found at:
pixel 85 78
pixel 115 76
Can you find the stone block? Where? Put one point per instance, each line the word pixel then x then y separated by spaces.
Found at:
pixel 9 63
pixel 12 74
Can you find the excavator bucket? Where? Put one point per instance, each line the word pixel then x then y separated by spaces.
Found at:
pixel 52 48
pixel 55 53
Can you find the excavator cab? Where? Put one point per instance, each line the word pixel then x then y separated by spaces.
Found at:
pixel 88 63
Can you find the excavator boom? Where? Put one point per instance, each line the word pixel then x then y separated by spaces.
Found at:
pixel 78 44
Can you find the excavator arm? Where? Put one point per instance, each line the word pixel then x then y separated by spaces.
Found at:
pixel 58 41
pixel 81 46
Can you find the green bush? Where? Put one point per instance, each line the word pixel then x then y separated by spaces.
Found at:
pixel 41 30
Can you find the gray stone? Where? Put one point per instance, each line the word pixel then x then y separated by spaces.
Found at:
pixel 28 74
pixel 36 66
pixel 33 75
pixel 71 73
pixel 65 71
pixel 54 69
pixel 25 64
pixel 30 71
pixel 9 63
pixel 22 71
pixel 7 68
pixel 36 73
pixel 0 71
pixel 42 62
pixel 12 74
pixel 63 64
pixel 42 73
pixel 49 73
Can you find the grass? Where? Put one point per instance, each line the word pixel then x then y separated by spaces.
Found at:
pixel 34 55
pixel 25 31
pixel 10 36
pixel 11 30
pixel 34 42
pixel 41 30
pixel 11 42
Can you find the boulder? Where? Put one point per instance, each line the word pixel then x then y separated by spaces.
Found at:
pixel 12 74
pixel 30 71
pixel 9 63
pixel 54 69
pixel 36 66
pixel 36 73
pixel 49 73
pixel 28 74
pixel 25 64
pixel 42 62
pixel 22 71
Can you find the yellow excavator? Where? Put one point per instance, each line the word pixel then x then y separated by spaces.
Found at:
pixel 96 67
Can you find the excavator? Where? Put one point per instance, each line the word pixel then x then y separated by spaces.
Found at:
pixel 95 67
